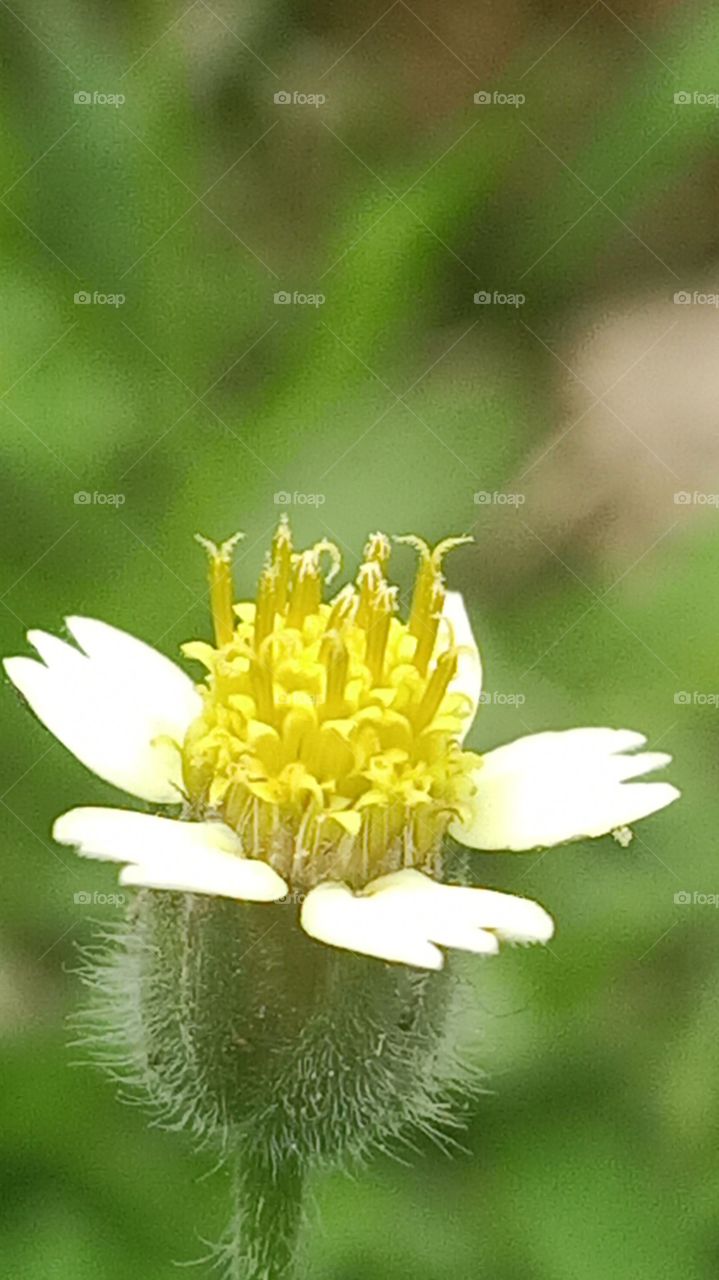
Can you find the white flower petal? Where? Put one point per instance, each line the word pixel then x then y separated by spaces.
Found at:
pixel 217 874
pixel 164 853
pixel 110 704
pixel 124 835
pixel 152 672
pixel 468 679
pixel 401 917
pixel 332 913
pixel 551 787
pixel 450 907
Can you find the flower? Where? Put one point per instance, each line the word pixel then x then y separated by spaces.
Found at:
pixel 323 756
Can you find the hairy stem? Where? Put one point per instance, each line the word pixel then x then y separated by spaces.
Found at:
pixel 263 1236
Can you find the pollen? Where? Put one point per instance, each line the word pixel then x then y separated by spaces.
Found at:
pixel 330 737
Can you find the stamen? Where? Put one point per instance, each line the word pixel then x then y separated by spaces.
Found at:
pixel 335 656
pixel 378 631
pixel 221 590
pixel 429 578
pixel 424 584
pixel 448 544
pixel 325 547
pixel 370 581
pixel 266 605
pixel 343 609
pixel 427 638
pixel 378 548
pixel 437 686
pixel 263 693
pixel 282 562
pixel 306 595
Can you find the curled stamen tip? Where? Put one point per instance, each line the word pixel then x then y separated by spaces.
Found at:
pixel 449 544
pixel 435 554
pixel 224 550
pixel 324 546
pixel 378 547
pixel 305 564
pixel 413 540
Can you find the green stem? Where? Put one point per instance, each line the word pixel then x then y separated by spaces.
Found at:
pixel 263 1237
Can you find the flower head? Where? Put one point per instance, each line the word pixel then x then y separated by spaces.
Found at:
pixel 323 754
pixel 330 733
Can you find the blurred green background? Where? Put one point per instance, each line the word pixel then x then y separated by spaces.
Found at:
pixel 576 415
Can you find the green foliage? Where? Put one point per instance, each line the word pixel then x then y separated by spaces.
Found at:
pixel 197 400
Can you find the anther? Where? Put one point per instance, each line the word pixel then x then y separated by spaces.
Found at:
pixel 335 656
pixel 327 548
pixel 343 608
pixel 369 581
pixel 437 686
pixel 221 591
pixel 266 605
pixel 262 691
pixel 306 593
pixel 378 548
pixel 384 606
pixel 428 627
pixel 282 562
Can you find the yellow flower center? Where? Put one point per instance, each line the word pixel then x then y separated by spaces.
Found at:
pixel 329 738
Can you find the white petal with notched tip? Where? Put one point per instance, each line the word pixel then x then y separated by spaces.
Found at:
pixel 406 917
pixel 113 704
pixel 548 788
pixel 164 853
